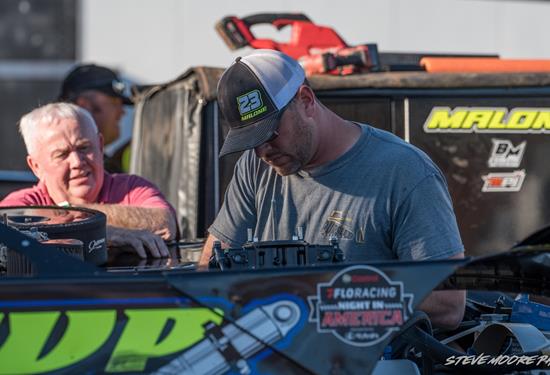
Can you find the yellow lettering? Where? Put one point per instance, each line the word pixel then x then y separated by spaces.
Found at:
pixel 22 352
pixel 441 118
pixel 496 120
pixel 479 118
pixel 521 120
pixel 254 114
pixel 141 338
pixel 542 121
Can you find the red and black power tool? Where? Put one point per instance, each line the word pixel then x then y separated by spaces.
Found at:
pixel 319 49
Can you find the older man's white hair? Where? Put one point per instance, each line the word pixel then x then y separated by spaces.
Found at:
pixel 47 115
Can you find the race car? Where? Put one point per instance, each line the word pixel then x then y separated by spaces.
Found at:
pixel 70 316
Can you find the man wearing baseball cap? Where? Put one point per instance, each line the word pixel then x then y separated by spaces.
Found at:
pixel 304 166
pixel 100 91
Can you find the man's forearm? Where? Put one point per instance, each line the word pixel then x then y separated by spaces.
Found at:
pixel 207 251
pixel 157 220
pixel 445 307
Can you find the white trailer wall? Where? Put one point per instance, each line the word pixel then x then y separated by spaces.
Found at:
pixel 156 40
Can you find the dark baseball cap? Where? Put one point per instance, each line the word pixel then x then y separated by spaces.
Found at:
pixel 252 94
pixel 93 77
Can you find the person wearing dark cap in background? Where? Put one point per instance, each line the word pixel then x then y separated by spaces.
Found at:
pixel 307 167
pixel 100 91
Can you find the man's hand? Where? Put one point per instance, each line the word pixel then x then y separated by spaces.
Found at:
pixel 207 252
pixel 140 240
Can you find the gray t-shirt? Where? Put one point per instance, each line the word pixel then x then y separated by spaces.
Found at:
pixel 384 199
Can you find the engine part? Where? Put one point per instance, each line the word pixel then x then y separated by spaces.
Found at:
pixel 275 254
pixel 49 223
pixel 19 265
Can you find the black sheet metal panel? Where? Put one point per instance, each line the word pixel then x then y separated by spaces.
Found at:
pixel 498 178
pixel 371 110
pixel 168 139
pixel 161 322
pixel 522 270
pixel 323 320
pixel 423 80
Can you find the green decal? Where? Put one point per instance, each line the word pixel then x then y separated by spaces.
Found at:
pixel 140 339
pixel 250 105
pixel 86 332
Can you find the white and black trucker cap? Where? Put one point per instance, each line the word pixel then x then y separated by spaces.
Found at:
pixel 252 94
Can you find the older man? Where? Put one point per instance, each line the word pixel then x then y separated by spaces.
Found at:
pixel 307 167
pixel 65 152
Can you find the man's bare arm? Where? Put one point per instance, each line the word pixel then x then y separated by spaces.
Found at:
pixel 156 220
pixel 445 307
pixel 207 251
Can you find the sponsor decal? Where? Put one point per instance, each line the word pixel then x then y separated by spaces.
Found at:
pixel 505 155
pixel 185 338
pixel 250 105
pixel 361 306
pixel 338 225
pixel 36 234
pixel 87 331
pixel 503 181
pixel 488 120
pixel 226 344
pixel 95 244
